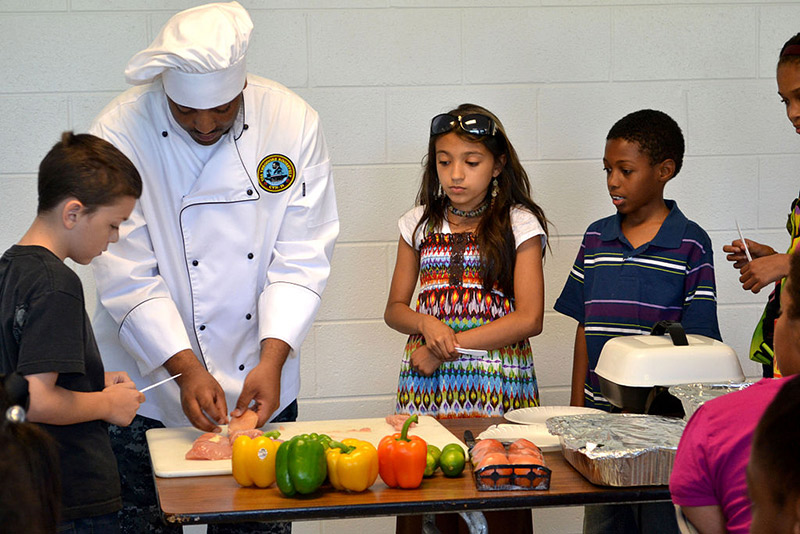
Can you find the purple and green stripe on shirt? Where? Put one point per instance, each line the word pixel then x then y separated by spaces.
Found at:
pixel 615 290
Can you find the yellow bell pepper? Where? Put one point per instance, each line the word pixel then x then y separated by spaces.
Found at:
pixel 254 461
pixel 352 464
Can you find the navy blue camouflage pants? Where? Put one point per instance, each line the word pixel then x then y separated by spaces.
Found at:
pixel 140 513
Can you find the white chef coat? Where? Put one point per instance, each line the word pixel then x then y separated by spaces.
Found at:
pixel 210 259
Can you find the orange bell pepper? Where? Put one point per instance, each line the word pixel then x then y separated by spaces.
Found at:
pixel 402 458
pixel 253 461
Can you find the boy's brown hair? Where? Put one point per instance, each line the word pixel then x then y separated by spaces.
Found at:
pixel 87 168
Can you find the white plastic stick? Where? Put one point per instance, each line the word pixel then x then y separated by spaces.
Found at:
pixel 173 377
pixel 472 352
pixel 744 243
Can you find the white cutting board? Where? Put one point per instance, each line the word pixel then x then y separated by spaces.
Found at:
pixel 168 446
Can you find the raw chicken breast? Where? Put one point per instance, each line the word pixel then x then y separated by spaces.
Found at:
pixel 210 446
pixel 247 421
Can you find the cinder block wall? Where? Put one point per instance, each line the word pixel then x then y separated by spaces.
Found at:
pixel 559 73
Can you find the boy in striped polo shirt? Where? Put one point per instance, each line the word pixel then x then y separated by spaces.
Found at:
pixel 646 263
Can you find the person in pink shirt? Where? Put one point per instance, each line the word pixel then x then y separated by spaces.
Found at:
pixel 773 474
pixel 709 481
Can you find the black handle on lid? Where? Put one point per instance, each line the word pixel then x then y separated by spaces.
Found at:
pixel 673 328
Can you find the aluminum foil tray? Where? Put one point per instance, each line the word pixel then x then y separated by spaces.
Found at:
pixel 692 396
pixel 620 449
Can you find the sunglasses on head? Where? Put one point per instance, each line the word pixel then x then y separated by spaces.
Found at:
pixel 474 123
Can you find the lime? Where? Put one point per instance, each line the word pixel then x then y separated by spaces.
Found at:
pixel 435 452
pixel 430 466
pixel 452 460
pixel 432 460
pixel 451 446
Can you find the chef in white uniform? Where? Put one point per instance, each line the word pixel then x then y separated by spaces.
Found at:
pixel 218 272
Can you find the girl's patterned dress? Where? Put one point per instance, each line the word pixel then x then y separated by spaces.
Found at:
pixel 452 290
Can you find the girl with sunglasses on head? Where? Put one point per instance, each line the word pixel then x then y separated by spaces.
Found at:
pixel 476 240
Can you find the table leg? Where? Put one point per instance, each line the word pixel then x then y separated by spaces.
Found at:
pixel 516 521
pixel 476 522
pixel 429 524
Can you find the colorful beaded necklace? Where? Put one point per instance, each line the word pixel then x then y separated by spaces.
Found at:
pixel 477 212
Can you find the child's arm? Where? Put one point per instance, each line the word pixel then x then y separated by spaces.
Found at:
pixel 699 315
pixel 527 318
pixel 763 271
pixel 706 519
pixel 439 337
pixel 580 366
pixel 54 405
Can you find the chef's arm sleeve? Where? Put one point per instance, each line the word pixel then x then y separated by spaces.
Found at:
pixel 301 262
pixel 132 291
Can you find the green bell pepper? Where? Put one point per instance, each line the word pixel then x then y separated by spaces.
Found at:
pixel 300 464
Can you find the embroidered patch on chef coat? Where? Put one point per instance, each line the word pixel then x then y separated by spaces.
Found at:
pixel 276 173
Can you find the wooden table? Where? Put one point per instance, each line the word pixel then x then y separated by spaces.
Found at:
pixel 215 499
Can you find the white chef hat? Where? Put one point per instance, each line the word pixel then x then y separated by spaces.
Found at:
pixel 199 54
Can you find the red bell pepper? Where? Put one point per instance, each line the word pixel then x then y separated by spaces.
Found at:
pixel 402 458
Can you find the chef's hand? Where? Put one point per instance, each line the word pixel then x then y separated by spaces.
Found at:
pixel 737 255
pixel 116 377
pixel 761 272
pixel 439 338
pixel 262 386
pixel 202 398
pixel 424 361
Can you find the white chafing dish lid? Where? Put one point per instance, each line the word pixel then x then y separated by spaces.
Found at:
pixel 646 360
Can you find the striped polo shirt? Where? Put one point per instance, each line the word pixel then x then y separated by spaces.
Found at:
pixel 616 290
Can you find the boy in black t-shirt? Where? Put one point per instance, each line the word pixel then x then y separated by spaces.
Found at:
pixel 87 188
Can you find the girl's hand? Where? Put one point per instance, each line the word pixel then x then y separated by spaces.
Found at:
pixel 763 271
pixel 439 338
pixel 737 255
pixel 123 402
pixel 424 362
pixel 453 357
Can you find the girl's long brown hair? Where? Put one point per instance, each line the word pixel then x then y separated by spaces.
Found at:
pixel 494 235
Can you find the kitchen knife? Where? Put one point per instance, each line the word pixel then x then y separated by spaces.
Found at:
pixel 469 439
